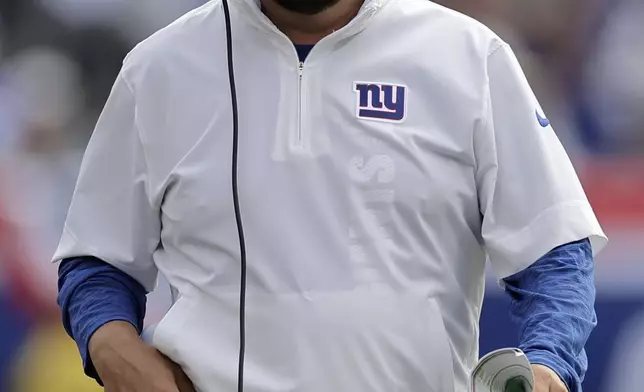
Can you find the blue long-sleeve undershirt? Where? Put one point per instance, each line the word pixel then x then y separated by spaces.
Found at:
pixel 553 304
pixel 92 293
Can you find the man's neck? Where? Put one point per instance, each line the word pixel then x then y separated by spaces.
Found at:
pixel 309 29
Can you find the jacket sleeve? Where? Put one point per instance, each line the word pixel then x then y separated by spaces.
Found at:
pixel 112 216
pixel 529 195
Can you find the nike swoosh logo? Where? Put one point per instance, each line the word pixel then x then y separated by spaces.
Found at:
pixel 543 121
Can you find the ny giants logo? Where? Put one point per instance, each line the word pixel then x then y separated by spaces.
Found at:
pixel 382 102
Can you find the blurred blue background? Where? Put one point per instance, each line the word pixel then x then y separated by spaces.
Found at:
pixel 58 59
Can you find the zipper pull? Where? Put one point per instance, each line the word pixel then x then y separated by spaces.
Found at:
pixel 300 69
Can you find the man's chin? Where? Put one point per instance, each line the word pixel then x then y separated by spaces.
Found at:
pixel 306 7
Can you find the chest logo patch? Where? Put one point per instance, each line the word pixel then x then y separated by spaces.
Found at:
pixel 380 101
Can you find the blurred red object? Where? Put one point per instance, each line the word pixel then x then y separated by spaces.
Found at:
pixel 615 188
pixel 21 286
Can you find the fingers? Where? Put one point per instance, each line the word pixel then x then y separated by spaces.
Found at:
pixel 546 380
pixel 558 386
pixel 185 385
pixel 183 381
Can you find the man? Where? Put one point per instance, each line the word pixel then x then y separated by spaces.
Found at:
pixel 380 161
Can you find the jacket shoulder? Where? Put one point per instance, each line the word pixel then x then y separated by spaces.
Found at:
pixel 454 28
pixel 191 32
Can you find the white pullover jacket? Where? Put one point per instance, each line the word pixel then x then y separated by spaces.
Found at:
pixel 375 180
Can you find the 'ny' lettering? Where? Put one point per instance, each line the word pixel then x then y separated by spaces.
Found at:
pixel 385 102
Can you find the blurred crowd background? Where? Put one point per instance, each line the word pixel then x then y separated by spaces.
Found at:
pixel 59 58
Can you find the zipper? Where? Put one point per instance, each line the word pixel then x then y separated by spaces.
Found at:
pixel 300 105
pixel 355 25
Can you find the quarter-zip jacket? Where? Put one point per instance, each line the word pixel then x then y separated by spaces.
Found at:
pixel 418 151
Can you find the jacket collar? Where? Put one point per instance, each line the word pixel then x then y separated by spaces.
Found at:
pixel 252 9
pixel 366 5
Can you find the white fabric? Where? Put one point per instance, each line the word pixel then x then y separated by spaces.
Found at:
pixel 366 239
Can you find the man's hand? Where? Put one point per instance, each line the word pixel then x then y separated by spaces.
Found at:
pixel 126 364
pixel 546 380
